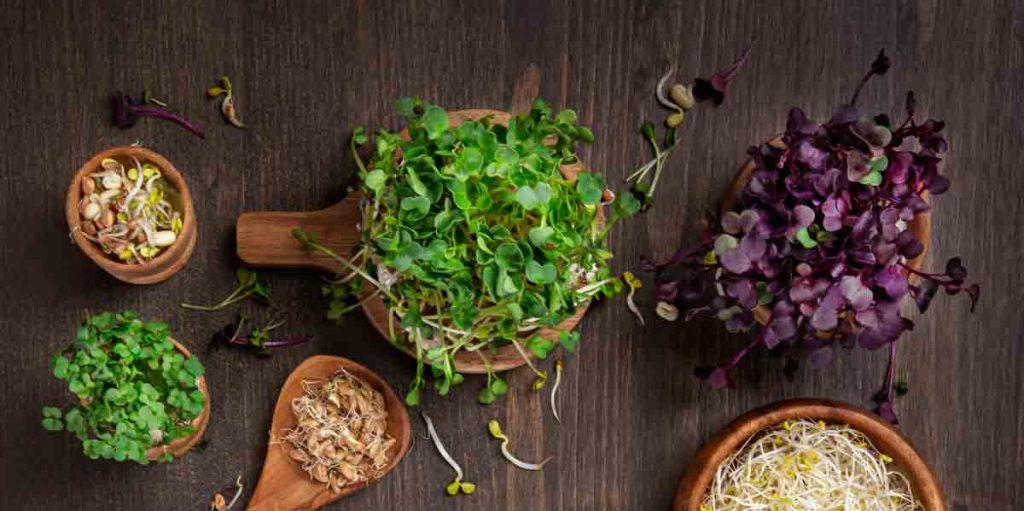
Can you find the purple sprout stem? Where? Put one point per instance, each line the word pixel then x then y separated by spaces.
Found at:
pixel 163 113
pixel 743 353
pixel 890 373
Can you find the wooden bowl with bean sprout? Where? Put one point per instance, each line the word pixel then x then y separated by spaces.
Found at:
pixel 172 253
pixel 893 447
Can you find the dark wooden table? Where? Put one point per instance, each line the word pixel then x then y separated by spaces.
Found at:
pixel 308 73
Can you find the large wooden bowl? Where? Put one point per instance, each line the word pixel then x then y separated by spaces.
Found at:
pixel 179 446
pixel 265 239
pixel 885 438
pixel 170 260
pixel 920 225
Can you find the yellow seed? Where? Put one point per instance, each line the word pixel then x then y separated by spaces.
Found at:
pixel 674 120
pixel 886 459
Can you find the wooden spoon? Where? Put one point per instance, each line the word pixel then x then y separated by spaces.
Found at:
pixel 283 485
pixel 264 239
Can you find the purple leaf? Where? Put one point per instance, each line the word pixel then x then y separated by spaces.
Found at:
pixel 826 316
pixel 731 222
pixel 924 294
pixel 893 281
pixel 857 165
pixel 811 156
pixel 955 269
pixel 887 413
pixel 714 89
pixel 719 378
pixel 855 292
pixel 744 292
pixel 799 124
pixel 909 246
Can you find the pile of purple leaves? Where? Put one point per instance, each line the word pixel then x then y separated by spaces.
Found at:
pixel 815 254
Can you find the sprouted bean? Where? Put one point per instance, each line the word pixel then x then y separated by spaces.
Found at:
pixel 219 503
pixel 554 389
pixel 129 212
pixel 227 104
pixel 457 485
pixel 495 429
pixel 804 464
pixel 634 284
pixel 340 437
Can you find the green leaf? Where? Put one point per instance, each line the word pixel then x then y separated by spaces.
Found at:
pixel 540 346
pixel 508 256
pixel 375 180
pixel 193 366
pixel 625 206
pixel 539 235
pixel 435 120
pixel 420 205
pixel 498 386
pixel 406 107
pixel 540 273
pixel 52 412
pixel 569 340
pixel 359 136
pixel 527 197
pixel 873 178
pixel 486 397
pixel 804 237
pixel 566 117
pixel 589 187
pixel 52 424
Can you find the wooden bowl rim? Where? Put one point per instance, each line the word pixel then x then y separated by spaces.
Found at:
pixel 885 438
pixel 505 357
pixel 179 446
pixel 170 172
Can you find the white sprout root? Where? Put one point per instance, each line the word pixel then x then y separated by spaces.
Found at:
pixel 440 446
pixel 238 493
pixel 554 389
pixel 806 465
pixel 660 91
pixel 495 429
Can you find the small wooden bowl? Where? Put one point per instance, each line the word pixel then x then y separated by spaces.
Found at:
pixel 283 485
pixel 885 438
pixel 920 225
pixel 179 446
pixel 170 260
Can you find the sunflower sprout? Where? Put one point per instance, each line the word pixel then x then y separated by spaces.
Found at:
pixel 457 485
pixel 495 429
pixel 227 105
pixel 634 284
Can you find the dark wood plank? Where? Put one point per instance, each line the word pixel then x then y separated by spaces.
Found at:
pixel 309 72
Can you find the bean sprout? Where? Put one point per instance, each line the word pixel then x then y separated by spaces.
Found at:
pixel 808 465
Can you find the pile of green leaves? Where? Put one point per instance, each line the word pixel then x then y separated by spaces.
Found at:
pixel 474 237
pixel 133 389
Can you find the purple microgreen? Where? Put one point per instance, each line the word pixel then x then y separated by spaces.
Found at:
pixel 128 111
pixel 714 88
pixel 816 250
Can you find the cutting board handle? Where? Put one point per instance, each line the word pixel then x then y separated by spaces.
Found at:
pixel 265 239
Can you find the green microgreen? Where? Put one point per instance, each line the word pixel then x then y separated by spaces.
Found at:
pixel 474 237
pixel 132 389
pixel 249 285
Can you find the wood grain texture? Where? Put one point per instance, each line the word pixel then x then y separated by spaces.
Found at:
pixel 306 73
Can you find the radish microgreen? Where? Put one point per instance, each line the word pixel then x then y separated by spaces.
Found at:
pixel 474 238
